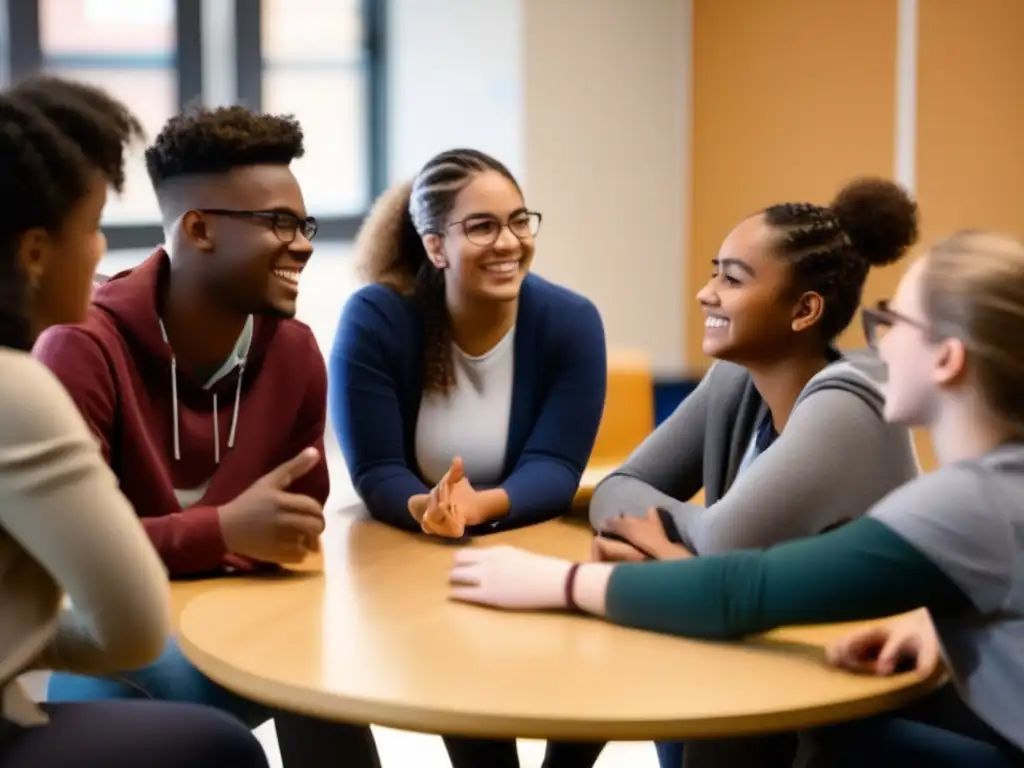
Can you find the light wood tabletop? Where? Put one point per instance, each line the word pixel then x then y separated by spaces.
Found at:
pixel 371 636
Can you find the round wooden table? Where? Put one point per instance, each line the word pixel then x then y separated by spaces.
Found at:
pixel 372 637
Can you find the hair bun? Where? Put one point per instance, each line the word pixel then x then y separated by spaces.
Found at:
pixel 880 218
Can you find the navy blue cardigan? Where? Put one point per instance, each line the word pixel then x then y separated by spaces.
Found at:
pixel 376 384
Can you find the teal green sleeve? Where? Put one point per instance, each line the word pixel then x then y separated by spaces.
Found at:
pixel 860 571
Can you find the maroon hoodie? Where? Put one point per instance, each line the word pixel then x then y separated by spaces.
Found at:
pixel 117 368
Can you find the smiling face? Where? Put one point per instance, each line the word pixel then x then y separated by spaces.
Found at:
pixel 487 246
pixel 751 312
pixel 258 252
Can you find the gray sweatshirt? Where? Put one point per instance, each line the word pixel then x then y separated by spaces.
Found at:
pixel 835 458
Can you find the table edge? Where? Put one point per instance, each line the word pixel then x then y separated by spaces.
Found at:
pixel 341 708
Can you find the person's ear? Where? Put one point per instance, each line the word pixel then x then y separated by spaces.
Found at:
pixel 808 311
pixel 434 245
pixel 35 249
pixel 950 364
pixel 198 231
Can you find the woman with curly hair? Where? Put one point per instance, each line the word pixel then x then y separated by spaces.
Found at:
pixel 466 391
pixel 208 397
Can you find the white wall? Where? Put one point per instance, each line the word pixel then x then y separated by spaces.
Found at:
pixel 587 102
pixel 454 79
pixel 607 93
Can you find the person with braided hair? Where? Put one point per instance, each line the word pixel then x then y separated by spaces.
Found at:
pixel 466 391
pixel 785 435
pixel 62 514
pixel 941 556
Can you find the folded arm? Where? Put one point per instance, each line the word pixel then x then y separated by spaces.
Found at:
pixel 833 461
pixel 544 480
pixel 367 416
pixel 665 470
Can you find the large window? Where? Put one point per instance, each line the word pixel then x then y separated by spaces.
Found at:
pixel 315 67
pixel 129 48
pixel 317 59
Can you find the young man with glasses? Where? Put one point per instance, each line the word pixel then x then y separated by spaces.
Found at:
pixel 208 397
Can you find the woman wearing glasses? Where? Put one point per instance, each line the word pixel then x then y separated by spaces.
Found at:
pixel 785 436
pixel 466 392
pixel 950 541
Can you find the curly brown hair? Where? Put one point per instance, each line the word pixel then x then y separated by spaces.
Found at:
pixel 871 222
pixel 207 141
pixel 54 136
pixel 391 252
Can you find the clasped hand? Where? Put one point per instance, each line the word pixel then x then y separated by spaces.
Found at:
pixel 643 538
pixel 450 507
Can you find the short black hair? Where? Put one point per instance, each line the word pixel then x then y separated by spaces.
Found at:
pixel 55 135
pixel 209 141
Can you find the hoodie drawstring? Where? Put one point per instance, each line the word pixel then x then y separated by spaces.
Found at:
pixel 216 422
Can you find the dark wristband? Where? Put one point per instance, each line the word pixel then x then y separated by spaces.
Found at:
pixel 570 584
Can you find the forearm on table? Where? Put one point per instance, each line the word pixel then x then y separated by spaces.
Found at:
pixel 539 490
pixel 621 494
pixel 861 571
pixel 673 551
pixel 834 460
pixel 189 541
pixel 493 504
pixel 386 492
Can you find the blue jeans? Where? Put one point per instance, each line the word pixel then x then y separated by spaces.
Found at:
pixel 939 731
pixel 670 753
pixel 895 742
pixel 305 742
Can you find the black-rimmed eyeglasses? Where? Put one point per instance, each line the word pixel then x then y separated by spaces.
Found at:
pixel 285 225
pixel 877 321
pixel 484 230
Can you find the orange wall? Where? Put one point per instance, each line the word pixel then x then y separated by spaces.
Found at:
pixel 786 107
pixel 970 121
pixel 970 115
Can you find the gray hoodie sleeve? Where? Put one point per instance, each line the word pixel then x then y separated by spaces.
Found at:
pixel 833 461
pixel 666 467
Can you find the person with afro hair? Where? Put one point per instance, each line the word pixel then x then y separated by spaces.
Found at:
pixel 208 397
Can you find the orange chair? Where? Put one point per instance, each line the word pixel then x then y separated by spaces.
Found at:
pixel 628 417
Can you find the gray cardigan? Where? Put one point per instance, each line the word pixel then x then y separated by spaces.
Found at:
pixel 835 458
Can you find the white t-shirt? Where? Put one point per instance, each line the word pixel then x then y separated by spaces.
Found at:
pixel 472 419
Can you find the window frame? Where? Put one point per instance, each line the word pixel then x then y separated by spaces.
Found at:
pixel 25 57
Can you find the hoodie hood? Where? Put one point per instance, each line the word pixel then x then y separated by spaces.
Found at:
pixel 133 299
pixel 860 372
